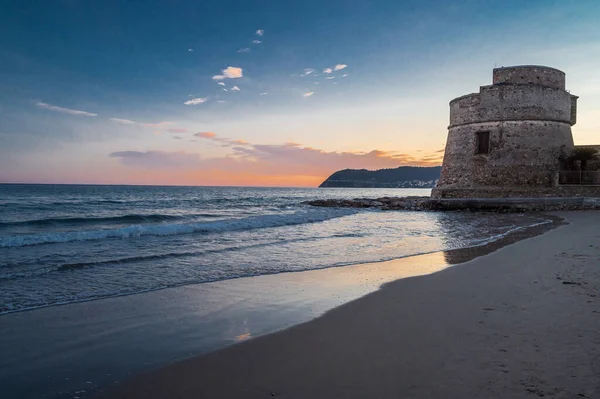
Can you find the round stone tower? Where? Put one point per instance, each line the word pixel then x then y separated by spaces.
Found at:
pixel 507 139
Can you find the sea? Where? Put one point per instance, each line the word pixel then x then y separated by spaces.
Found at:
pixel 61 244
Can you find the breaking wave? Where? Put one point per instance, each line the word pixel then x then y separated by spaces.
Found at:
pixel 308 215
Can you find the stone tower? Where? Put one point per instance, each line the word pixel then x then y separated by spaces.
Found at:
pixel 507 139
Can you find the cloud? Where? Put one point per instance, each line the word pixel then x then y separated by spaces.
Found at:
pixel 124 121
pixel 244 50
pixel 344 75
pixel 69 111
pixel 292 160
pixel 340 66
pixel 177 130
pixel 150 125
pixel 307 71
pixel 327 70
pixel 205 135
pixel 157 159
pixel 235 88
pixel 221 101
pixel 310 93
pixel 195 101
pixel 260 32
pixel 157 124
pixel 221 83
pixel 256 41
pixel 225 142
pixel 263 94
pixel 190 49
pixel 330 77
pixel 230 73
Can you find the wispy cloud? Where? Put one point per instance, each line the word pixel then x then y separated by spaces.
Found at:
pixel 225 142
pixel 260 32
pixel 330 77
pixel 256 41
pixel 307 71
pixel 69 111
pixel 190 49
pixel 230 73
pixel 344 75
pixel 235 88
pixel 195 101
pixel 244 50
pixel 157 159
pixel 205 135
pixel 310 93
pixel 340 66
pixel 157 124
pixel 287 159
pixel 221 83
pixel 177 130
pixel 124 121
pixel 263 94
pixel 327 70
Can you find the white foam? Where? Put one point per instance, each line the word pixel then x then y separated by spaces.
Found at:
pixel 307 215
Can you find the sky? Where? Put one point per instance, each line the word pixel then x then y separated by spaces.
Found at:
pixel 263 93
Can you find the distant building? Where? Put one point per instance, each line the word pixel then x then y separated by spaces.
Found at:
pixel 509 139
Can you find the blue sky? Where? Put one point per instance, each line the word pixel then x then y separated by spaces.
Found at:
pixel 278 116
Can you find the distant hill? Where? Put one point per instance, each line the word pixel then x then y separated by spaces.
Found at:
pixel 402 177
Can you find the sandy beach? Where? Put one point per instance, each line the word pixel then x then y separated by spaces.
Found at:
pixel 520 322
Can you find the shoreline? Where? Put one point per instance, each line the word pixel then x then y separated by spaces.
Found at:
pixel 92 345
pixel 351 350
pixel 519 232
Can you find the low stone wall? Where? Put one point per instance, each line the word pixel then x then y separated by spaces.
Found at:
pixel 472 204
pixel 516 192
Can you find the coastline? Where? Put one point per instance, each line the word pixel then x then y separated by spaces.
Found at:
pixel 89 346
pixel 517 322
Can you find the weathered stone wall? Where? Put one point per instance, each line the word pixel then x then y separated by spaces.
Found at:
pixel 528 115
pixel 512 102
pixel 530 74
pixel 522 153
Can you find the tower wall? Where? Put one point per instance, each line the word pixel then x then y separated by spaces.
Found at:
pixel 530 74
pixel 528 125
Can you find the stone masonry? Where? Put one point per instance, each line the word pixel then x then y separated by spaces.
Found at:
pixel 510 136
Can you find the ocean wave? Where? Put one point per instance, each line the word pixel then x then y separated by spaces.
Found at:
pixel 134 218
pixel 308 215
pixel 67 267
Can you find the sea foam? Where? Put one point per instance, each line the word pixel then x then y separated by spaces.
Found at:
pixel 308 215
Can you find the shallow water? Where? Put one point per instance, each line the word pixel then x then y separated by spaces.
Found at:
pixel 61 244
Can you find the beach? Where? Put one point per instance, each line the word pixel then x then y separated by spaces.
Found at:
pixel 520 322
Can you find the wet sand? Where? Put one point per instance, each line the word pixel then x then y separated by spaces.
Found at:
pixel 520 322
pixel 85 348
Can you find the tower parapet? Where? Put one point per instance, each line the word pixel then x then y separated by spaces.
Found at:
pixel 529 75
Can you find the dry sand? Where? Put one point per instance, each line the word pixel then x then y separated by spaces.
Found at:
pixel 521 322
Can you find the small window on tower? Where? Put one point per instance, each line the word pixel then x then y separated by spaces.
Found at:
pixel 483 143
